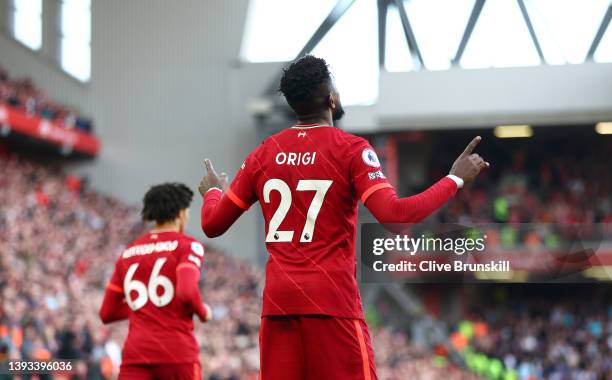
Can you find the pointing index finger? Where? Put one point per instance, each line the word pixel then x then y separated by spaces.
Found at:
pixel 471 146
pixel 208 165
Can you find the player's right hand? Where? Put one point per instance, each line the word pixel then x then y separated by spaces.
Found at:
pixel 209 315
pixel 468 165
pixel 212 179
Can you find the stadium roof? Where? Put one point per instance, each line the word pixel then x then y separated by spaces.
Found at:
pixel 359 37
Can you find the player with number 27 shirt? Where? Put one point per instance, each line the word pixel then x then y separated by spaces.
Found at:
pixel 308 180
pixel 155 286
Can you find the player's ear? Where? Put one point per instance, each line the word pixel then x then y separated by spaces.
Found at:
pixel 183 217
pixel 331 101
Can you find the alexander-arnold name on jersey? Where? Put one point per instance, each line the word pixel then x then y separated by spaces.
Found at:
pixel 147 249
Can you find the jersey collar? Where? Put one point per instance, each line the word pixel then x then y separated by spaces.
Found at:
pixel 309 126
pixel 161 231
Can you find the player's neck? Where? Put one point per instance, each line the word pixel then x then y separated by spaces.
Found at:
pixel 166 227
pixel 315 119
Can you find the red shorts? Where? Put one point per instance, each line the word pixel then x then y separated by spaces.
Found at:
pixel 304 347
pixel 179 371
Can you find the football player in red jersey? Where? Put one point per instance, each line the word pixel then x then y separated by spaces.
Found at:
pixel 308 180
pixel 155 286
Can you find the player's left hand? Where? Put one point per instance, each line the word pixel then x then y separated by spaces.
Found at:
pixel 212 179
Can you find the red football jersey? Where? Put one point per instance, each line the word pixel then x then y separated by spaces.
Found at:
pixel 308 180
pixel 160 327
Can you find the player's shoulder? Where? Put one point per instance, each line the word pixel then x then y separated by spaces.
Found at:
pixel 347 143
pixel 274 138
pixel 191 244
pixel 349 138
pixel 256 153
pixel 134 245
pixel 359 147
pixel 191 249
pixel 267 145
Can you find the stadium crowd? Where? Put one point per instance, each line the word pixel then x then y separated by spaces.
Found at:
pixel 23 94
pixel 545 337
pixel 564 186
pixel 398 359
pixel 535 195
pixel 56 243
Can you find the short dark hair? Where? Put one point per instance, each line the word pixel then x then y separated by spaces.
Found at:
pixel 306 83
pixel 163 203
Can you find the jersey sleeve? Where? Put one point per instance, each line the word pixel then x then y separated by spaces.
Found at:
pixel 192 255
pixel 116 282
pixel 242 190
pixel 113 307
pixel 188 270
pixel 365 170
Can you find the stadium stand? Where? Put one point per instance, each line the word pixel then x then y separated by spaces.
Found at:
pixel 29 116
pixel 57 241
pixel 557 181
pixel 540 333
pixel 23 94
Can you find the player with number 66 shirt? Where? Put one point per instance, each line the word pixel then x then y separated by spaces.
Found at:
pixel 155 286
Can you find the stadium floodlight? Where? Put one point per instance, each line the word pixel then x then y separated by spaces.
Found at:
pixel 604 128
pixel 512 131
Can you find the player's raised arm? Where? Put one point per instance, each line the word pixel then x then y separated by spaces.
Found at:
pixel 223 205
pixel 386 207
